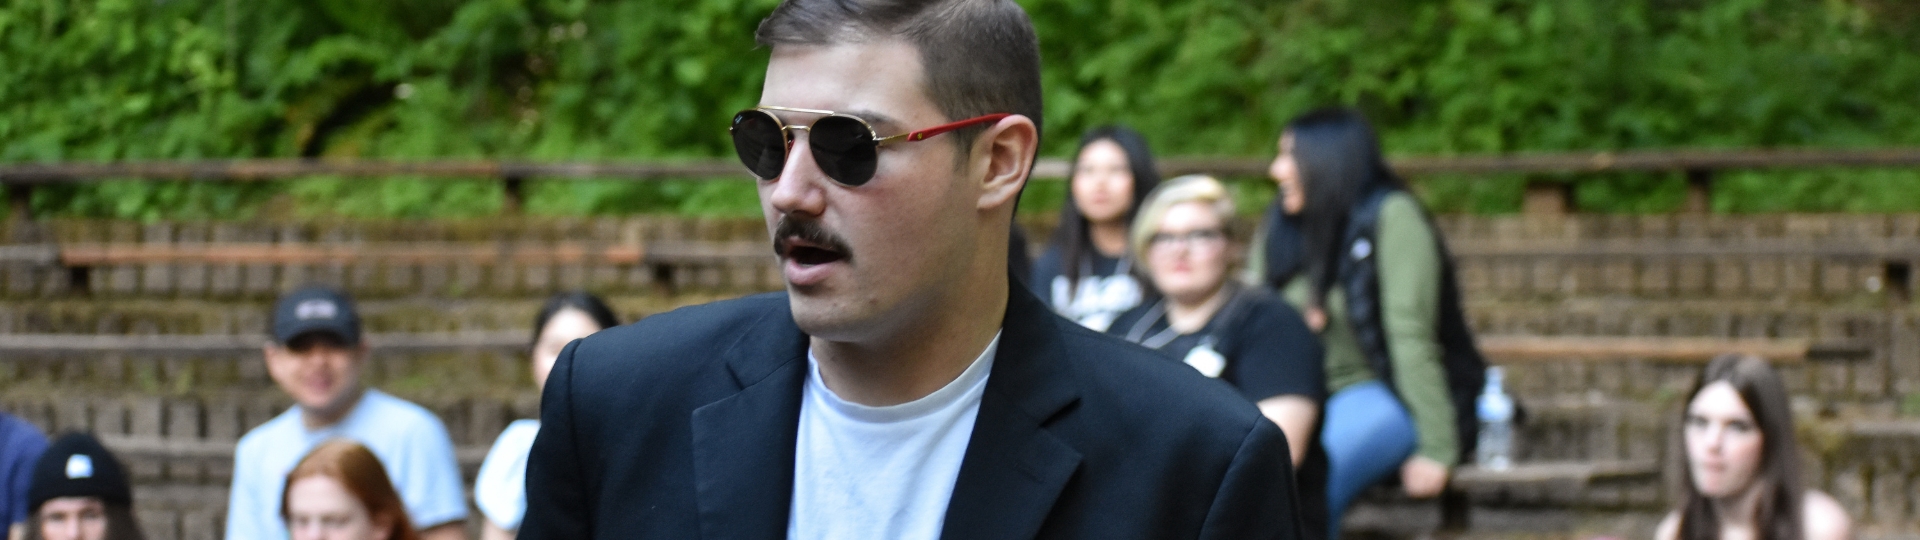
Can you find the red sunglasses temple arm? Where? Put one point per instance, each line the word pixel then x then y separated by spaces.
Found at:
pixel 943 128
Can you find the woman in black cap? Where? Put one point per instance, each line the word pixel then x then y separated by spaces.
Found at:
pixel 80 492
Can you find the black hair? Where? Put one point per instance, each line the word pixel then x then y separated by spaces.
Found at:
pixel 584 301
pixel 1072 235
pixel 1338 158
pixel 980 56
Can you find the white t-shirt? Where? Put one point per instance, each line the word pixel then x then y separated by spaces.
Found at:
pixel 410 441
pixel 1098 299
pixel 501 488
pixel 881 472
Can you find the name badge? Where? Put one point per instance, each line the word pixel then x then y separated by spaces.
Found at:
pixel 1207 361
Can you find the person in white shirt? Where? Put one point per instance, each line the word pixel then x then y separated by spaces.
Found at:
pixel 1086 273
pixel 500 489
pixel 317 357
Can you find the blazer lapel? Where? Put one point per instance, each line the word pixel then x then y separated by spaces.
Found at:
pixel 1014 468
pixel 743 445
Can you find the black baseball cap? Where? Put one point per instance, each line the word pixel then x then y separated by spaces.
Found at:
pixel 77 465
pixel 315 309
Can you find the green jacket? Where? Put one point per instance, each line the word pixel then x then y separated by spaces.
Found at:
pixel 1409 263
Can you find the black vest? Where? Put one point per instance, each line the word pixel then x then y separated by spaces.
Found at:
pixel 1358 277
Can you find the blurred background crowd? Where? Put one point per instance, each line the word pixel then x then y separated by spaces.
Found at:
pixel 1698 290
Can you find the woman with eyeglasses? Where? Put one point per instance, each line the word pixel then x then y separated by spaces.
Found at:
pixel 1357 254
pixel 1086 274
pixel 1743 467
pixel 500 489
pixel 1243 336
pixel 340 491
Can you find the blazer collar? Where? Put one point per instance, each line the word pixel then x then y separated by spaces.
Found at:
pixel 743 444
pixel 1014 468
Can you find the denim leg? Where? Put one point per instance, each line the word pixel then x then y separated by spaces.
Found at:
pixel 1367 435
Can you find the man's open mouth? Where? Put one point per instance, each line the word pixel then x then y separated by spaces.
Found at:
pixel 808 243
pixel 810 255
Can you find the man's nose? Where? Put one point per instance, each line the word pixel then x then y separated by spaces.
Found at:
pixel 800 187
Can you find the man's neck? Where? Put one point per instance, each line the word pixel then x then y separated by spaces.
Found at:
pixel 316 419
pixel 922 358
pixel 1110 239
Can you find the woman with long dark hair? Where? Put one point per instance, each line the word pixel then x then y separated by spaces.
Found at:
pixel 80 492
pixel 499 490
pixel 1085 274
pixel 1743 467
pixel 1374 296
pixel 340 491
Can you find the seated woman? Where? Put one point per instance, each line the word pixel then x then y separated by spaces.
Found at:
pixel 1743 467
pixel 1084 273
pixel 341 492
pixel 80 492
pixel 1250 339
pixel 500 489
pixel 1381 298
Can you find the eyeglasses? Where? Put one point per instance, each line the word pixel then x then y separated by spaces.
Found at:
pixel 844 146
pixel 1206 237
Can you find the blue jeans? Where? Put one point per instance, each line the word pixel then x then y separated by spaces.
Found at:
pixel 1367 435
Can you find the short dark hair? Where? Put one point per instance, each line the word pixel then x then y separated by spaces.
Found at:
pixel 980 56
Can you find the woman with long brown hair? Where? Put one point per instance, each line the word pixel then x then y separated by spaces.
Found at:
pixel 340 491
pixel 1743 467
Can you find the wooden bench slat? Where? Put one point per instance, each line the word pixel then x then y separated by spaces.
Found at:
pixel 81 343
pixel 1500 349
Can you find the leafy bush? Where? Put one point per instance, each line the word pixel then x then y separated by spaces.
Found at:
pixel 575 80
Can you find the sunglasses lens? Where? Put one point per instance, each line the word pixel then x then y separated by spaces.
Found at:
pixel 759 141
pixel 844 148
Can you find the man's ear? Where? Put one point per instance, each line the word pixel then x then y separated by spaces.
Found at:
pixel 1007 148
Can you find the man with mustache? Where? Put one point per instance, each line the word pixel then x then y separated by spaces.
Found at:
pixel 900 387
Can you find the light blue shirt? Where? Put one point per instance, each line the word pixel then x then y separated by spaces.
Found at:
pixel 501 489
pixel 410 441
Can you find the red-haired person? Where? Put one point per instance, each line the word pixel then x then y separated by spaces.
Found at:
pixel 1743 468
pixel 341 492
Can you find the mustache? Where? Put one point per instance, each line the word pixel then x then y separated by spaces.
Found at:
pixel 810 232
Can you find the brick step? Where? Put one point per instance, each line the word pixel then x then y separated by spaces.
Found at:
pixel 222 416
pixel 189 316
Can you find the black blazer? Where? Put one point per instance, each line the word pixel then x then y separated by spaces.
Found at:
pixel 683 426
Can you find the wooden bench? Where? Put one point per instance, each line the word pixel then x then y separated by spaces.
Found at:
pixel 662 258
pixel 17 345
pixel 1533 349
pixel 1385 509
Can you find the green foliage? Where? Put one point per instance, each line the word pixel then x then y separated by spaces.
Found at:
pixel 578 80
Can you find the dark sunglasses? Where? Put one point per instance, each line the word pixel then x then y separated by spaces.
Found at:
pixel 844 146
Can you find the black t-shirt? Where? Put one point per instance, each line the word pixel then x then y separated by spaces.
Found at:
pixel 1268 351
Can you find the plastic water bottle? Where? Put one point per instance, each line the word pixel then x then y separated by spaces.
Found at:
pixel 1495 448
